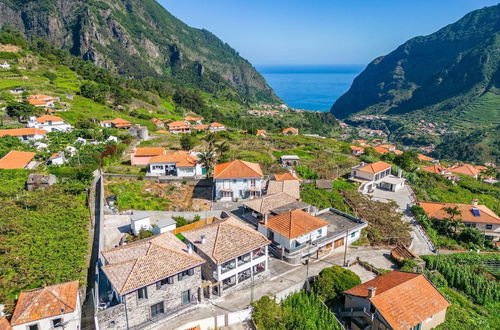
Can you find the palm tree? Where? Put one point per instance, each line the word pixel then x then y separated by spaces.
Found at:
pixel 210 139
pixel 207 158
pixel 222 149
pixel 454 219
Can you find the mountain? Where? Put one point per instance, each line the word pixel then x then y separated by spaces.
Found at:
pixel 432 76
pixel 139 38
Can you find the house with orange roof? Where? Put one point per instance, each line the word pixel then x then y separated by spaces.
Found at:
pixel 297 234
pixel 179 163
pixel 472 215
pixel 201 127
pixel 466 169
pixel 142 156
pixel 41 100
pixel 179 127
pixel 147 281
pixel 17 160
pixel 49 123
pixel 57 159
pixel 261 133
pixel 376 175
pixel 425 158
pixel 360 142
pixel 238 179
pixel 286 177
pixel 290 131
pixel 5 324
pixel 158 122
pixel 396 300
pixel 441 170
pixel 357 151
pixel 49 307
pixel 388 147
pixel 216 127
pixel 116 123
pixel 193 120
pixel 398 152
pixel 234 253
pixel 25 134
pixel 381 150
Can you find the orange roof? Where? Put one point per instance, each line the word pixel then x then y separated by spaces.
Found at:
pixel 5 324
pixel 438 169
pixel 180 158
pixel 285 177
pixel 237 169
pixel 191 118
pixel 22 131
pixel 200 127
pixel 145 152
pixel 157 121
pixel 16 159
pixel 37 102
pixel 362 142
pixel 398 152
pixel 216 125
pixel 481 168
pixel 294 223
pixel 436 210
pixel 40 97
pixel 46 302
pixel 425 158
pixel 403 299
pixel 381 150
pixel 261 132
pixel 375 167
pixel 178 124
pixel 290 130
pixel 466 169
pixel 46 118
pixel 356 148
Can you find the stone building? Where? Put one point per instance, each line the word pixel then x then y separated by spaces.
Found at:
pixel 147 281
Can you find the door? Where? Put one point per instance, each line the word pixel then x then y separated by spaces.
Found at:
pixel 338 243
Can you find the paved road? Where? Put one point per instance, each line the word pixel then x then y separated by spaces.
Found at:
pixel 283 278
pixel 420 243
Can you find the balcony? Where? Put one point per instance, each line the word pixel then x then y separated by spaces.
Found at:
pixel 258 253
pixel 228 266
pixel 244 275
pixel 259 268
pixel 244 259
pixel 229 282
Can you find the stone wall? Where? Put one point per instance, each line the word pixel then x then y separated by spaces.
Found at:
pixel 139 310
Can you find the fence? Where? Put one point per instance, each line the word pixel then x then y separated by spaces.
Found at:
pixel 220 321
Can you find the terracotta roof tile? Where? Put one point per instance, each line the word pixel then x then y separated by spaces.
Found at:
pixel 466 169
pixel 178 125
pixel 291 130
pixel 191 118
pixel 150 151
pixel 4 324
pixel 381 150
pixel 438 169
pixel 46 302
pixel 46 118
pixel 181 158
pixel 295 223
pixel 375 167
pixel 157 121
pixel 216 125
pixel 436 210
pixel 16 159
pixel 135 265
pixel 425 158
pixel 285 176
pixel 226 239
pixel 403 299
pixel 200 127
pixel 22 131
pixel 237 169
pixel 356 148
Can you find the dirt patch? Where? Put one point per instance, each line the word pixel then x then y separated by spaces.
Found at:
pixel 9 49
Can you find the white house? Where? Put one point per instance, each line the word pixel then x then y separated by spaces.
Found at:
pixel 57 159
pixel 25 134
pixel 216 127
pixel 154 221
pixel 49 123
pixel 234 253
pixel 5 65
pixel 238 179
pixel 112 138
pixel 71 150
pixel 50 307
pixel 376 175
pixel 182 164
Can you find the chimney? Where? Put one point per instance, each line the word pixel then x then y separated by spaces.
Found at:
pixel 190 248
pixel 265 219
pixel 475 202
pixel 371 292
pixel 203 239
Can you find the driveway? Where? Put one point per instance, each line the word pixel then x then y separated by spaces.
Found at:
pixel 420 243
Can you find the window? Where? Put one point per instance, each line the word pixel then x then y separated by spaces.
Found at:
pixel 189 272
pixel 186 297
pixel 353 234
pixel 489 226
pixel 234 181
pixel 33 327
pixel 57 322
pixel 142 293
pixel 165 281
pixel 157 167
pixel 157 309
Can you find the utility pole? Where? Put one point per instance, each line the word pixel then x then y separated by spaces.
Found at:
pixel 307 262
pixel 345 250
pixel 251 288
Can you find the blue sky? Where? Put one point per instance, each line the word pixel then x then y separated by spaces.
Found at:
pixel 319 31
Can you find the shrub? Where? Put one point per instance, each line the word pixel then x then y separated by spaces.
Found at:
pixel 332 281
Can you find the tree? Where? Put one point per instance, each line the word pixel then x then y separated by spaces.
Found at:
pixel 407 160
pixel 222 150
pixel 471 235
pixel 332 281
pixel 207 159
pixel 187 142
pixel 267 314
pixel 21 110
pixel 454 217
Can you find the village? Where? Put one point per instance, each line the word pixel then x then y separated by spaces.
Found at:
pixel 216 232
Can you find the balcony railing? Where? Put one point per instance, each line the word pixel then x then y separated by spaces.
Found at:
pixel 244 259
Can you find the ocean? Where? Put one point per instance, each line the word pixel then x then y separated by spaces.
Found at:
pixel 310 87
